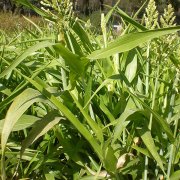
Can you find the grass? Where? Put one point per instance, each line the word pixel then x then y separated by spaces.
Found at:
pixel 10 23
pixel 83 104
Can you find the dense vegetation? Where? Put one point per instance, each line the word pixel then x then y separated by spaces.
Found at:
pixel 86 102
pixel 87 6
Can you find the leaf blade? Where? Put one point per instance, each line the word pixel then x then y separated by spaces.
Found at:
pixel 149 142
pixel 129 41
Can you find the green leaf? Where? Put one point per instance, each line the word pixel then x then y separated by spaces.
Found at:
pixel 83 35
pixel 70 147
pixel 5 90
pixel 24 122
pixel 110 159
pixel 121 124
pixel 97 130
pixel 18 107
pixel 72 43
pixel 40 128
pixel 157 117
pixel 130 41
pixel 111 11
pixel 20 104
pixel 72 118
pixel 75 62
pixel 149 142
pixel 131 69
pixel 106 111
pixel 36 9
pixel 104 83
pixel 142 151
pixel 24 55
pixel 130 20
pixel 175 61
pixel 91 178
pixel 49 177
pixel 175 175
pixel 87 94
pixel 147 153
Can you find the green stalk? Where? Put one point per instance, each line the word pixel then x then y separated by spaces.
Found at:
pixel 63 72
pixel 3 169
pixel 147 69
pixel 153 101
pixel 172 103
pixel 147 91
pixel 154 96
pixel 151 116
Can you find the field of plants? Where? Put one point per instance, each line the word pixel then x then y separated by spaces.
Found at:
pixel 85 103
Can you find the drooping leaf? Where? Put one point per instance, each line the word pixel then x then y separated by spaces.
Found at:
pixel 16 110
pixel 130 20
pixel 130 41
pixel 72 118
pixel 20 104
pixel 40 128
pixel 76 63
pixel 24 122
pixel 36 9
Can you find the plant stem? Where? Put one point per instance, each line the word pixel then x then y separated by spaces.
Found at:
pixel 154 96
pixel 147 91
pixel 147 70
pixel 172 103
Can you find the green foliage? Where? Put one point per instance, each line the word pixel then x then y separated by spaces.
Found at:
pixel 77 104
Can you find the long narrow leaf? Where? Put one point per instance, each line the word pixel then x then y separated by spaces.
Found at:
pixel 157 117
pixel 75 62
pixel 97 130
pixel 72 118
pixel 16 110
pixel 149 142
pixel 40 128
pixel 24 55
pixel 121 124
pixel 24 122
pixel 130 41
